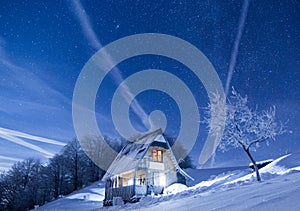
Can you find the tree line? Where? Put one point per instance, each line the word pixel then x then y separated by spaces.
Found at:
pixel 32 182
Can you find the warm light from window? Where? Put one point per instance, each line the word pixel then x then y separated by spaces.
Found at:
pixel 157 155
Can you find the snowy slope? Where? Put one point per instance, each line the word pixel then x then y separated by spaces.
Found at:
pixel 236 190
pixel 88 198
pixel 280 193
pixel 200 175
pixel 233 190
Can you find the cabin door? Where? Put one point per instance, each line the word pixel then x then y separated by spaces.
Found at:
pixel 159 179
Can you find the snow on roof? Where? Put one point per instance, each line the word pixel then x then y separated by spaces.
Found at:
pixel 160 138
pixel 131 154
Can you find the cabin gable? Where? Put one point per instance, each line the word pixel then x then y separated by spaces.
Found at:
pixel 153 168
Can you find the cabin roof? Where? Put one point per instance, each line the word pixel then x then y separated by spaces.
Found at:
pixel 131 154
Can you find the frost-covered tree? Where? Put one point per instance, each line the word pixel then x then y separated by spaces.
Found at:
pixel 20 186
pixel 71 156
pixel 245 128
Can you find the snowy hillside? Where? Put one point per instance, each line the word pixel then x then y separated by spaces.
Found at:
pixel 276 194
pixel 88 198
pixel 232 190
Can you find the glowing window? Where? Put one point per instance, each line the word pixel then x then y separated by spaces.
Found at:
pixel 157 155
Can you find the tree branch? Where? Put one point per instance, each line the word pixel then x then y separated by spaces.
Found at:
pixel 243 145
pixel 256 141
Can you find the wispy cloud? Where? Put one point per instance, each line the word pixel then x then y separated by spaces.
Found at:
pixel 21 80
pixel 25 95
pixel 26 144
pixel 28 136
pixel 9 158
pixel 91 36
pixel 85 24
pixel 21 139
pixel 26 102
pixel 16 137
pixel 235 49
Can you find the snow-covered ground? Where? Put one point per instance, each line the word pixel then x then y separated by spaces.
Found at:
pixel 88 198
pixel 233 190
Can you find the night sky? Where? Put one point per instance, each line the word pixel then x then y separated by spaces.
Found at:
pixel 45 44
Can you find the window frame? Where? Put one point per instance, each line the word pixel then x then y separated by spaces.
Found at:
pixel 157 155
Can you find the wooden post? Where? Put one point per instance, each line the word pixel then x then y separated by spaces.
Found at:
pixel 134 180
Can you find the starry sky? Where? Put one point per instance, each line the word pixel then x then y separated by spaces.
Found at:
pixel 45 44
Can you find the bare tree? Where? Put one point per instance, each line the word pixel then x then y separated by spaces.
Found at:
pixel 20 185
pixel 71 156
pixel 245 128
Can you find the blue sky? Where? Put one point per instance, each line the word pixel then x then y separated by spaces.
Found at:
pixel 45 44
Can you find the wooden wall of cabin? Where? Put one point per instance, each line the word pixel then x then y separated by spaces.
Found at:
pixel 170 167
pixel 166 167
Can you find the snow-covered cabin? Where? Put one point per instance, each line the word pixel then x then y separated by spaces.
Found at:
pixel 142 167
